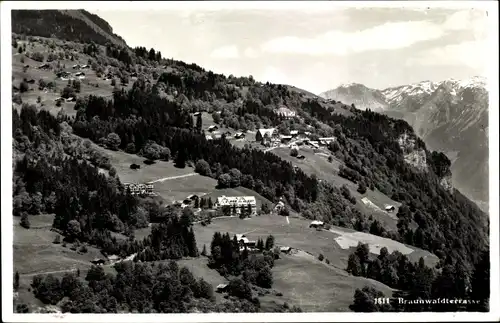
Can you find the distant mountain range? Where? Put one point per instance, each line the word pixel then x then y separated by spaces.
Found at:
pixel 450 116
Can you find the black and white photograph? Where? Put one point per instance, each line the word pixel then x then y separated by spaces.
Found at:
pixel 253 161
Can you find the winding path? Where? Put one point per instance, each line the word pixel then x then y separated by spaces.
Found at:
pixel 172 177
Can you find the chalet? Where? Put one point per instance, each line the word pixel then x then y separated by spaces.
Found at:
pixel 265 133
pixel 244 242
pixel 208 137
pixel 71 99
pixel 85 66
pixel 114 258
pixel 390 208
pixel 212 128
pixel 285 112
pixel 313 143
pixel 294 146
pixel 76 66
pixel 301 157
pixel 197 114
pixel 294 133
pixel 98 261
pixel 285 249
pixel 239 135
pixel 285 139
pixel 221 288
pixel 237 201
pixel 316 224
pixel 79 74
pixel 328 140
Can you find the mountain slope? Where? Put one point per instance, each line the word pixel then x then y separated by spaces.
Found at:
pixel 450 116
pixel 73 25
pixel 359 95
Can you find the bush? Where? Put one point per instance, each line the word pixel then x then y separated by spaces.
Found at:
pixel 203 168
pixel 321 257
pixel 16 98
pixel 57 239
pixel 25 222
pixel 24 87
pixel 37 56
pixel 294 152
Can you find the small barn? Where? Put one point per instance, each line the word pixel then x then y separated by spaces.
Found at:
pixel 212 128
pixel 286 249
pixel 390 208
pixel 316 224
pixel 196 114
pixel 263 133
pixel 98 261
pixel 221 288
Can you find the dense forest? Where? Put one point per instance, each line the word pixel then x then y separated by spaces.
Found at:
pixel 138 288
pixel 63 26
pixel 454 281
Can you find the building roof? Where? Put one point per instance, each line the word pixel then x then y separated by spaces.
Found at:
pixel 239 200
pixel 213 127
pixel 221 286
pixel 285 137
pixel 285 248
pixel 387 207
pixel 327 138
pixel 263 132
pixel 294 132
pixel 114 257
pixel 316 222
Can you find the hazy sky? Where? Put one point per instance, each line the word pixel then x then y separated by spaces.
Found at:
pixel 317 49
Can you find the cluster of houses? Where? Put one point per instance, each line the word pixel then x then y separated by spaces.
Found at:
pixel 139 189
pixel 64 76
pixel 271 137
pixel 81 67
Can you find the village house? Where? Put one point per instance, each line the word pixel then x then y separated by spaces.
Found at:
pixel 294 133
pixel 221 288
pixel 314 143
pixel 208 137
pixel 98 261
pixel 265 133
pixel 44 67
pixel 327 140
pixel 76 67
pixel 285 249
pixel 285 139
pixel 390 208
pixel 238 202
pixel 316 224
pixel 85 66
pixel 244 242
pixel 285 112
pixel 239 135
pixel 196 114
pixel 114 258
pixel 212 128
